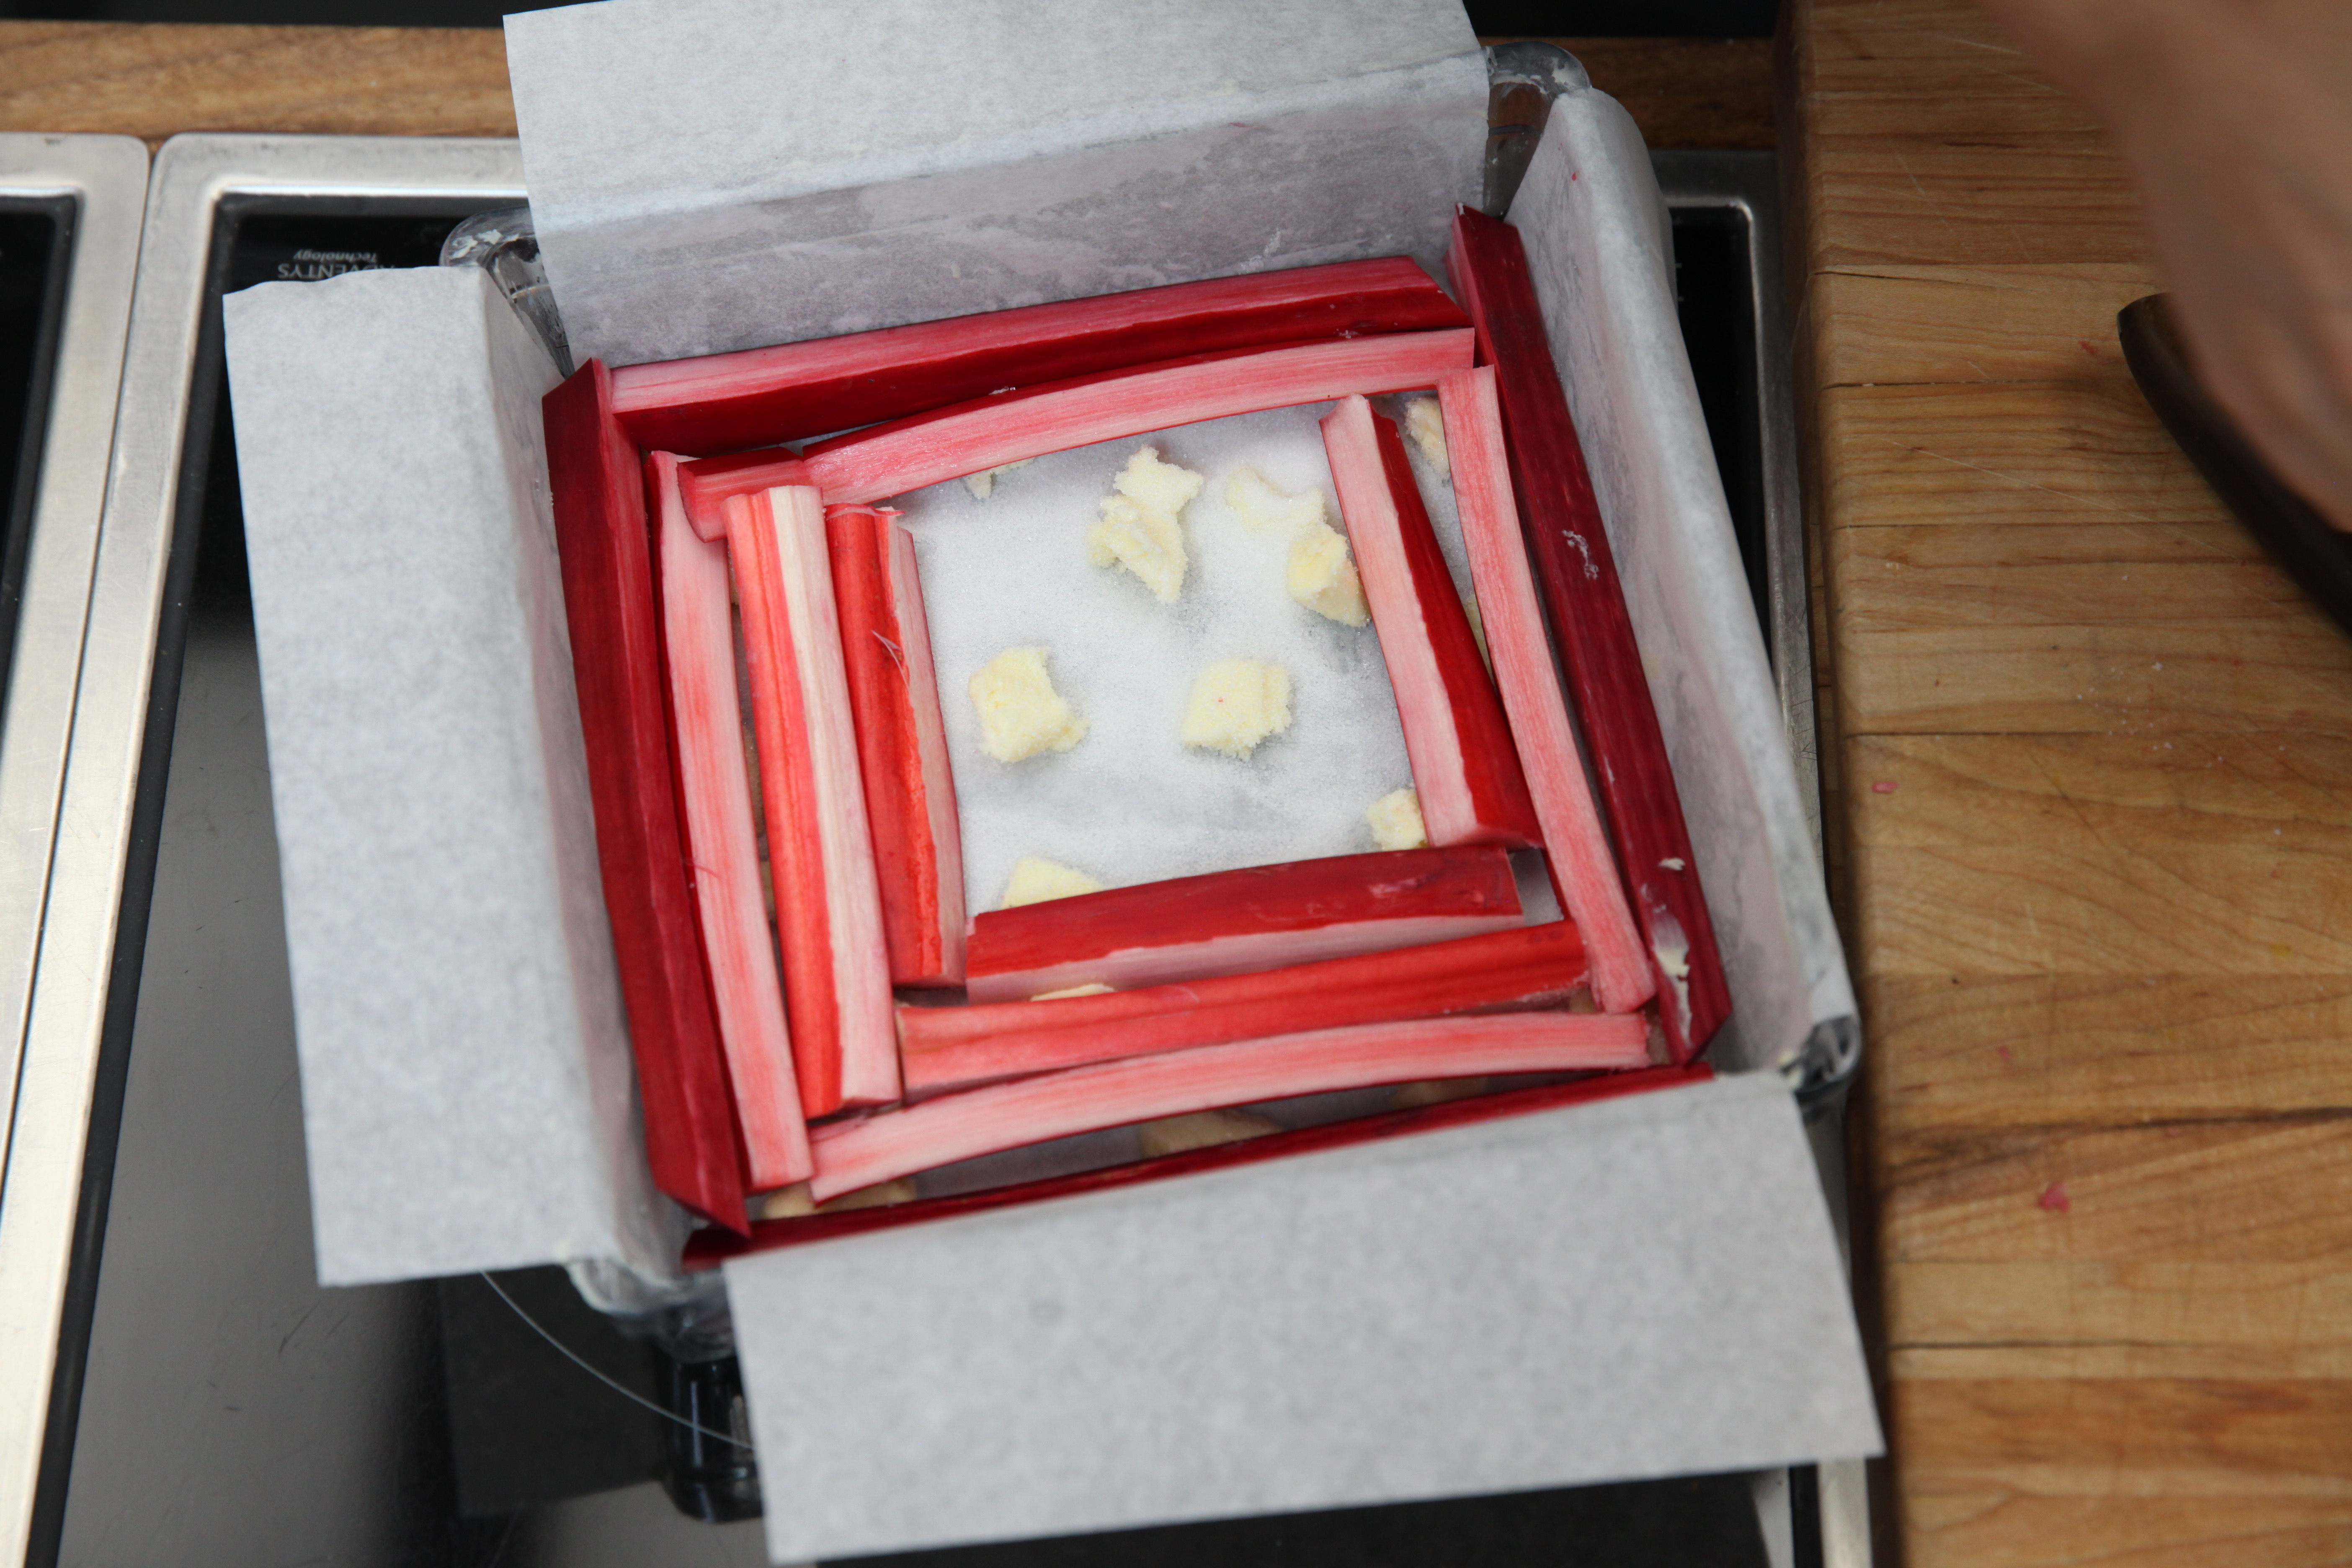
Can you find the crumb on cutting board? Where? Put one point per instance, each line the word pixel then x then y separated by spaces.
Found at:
pixel 1236 704
pixel 1140 529
pixel 1021 714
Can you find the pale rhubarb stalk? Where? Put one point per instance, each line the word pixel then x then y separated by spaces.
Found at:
pixel 902 744
pixel 708 484
pixel 715 791
pixel 1465 766
pixel 1234 923
pixel 1030 422
pixel 820 853
pixel 1576 844
pixel 760 396
pixel 859 1152
pixel 943 1049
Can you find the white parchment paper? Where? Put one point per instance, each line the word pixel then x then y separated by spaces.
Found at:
pixel 467 1097
pixel 1636 1287
pixel 715 175
pixel 1603 256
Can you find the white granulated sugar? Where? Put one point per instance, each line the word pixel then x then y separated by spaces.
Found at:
pixel 1131 803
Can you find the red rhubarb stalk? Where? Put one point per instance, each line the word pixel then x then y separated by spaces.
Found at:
pixel 1234 923
pixel 709 483
pixel 761 397
pixel 598 497
pixel 1577 575
pixel 698 634
pixel 820 853
pixel 1575 846
pixel 893 1144
pixel 945 1048
pixel 1464 764
pixel 709 1247
pixel 892 459
pixel 902 744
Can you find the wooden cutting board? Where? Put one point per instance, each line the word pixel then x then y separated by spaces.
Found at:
pixel 2091 806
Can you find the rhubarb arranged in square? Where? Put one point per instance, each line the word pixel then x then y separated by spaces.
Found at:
pixel 1086 1009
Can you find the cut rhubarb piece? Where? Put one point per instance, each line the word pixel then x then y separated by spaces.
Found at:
pixel 1029 422
pixel 945 1048
pixel 902 744
pixel 1576 845
pixel 1232 922
pixel 709 1247
pixel 761 397
pixel 853 1154
pixel 1464 766
pixel 1576 573
pixel 599 503
pixel 708 484
pixel 714 785
pixel 820 852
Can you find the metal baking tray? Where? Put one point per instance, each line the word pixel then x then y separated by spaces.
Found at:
pixel 211 1402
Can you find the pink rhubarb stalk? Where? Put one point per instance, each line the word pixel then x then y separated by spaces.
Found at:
pixel 1465 766
pixel 1576 573
pixel 708 484
pixel 715 789
pixel 597 488
pixel 893 1144
pixel 760 396
pixel 1232 922
pixel 902 744
pixel 711 1246
pixel 943 1049
pixel 820 854
pixel 892 459
pixel 1576 845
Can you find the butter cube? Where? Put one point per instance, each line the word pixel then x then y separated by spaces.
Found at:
pixel 1035 881
pixel 1235 704
pixel 1261 507
pixel 1396 821
pixel 1139 528
pixel 1021 714
pixel 1323 578
pixel 1424 421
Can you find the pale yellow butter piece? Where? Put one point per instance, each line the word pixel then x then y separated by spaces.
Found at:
pixel 1021 714
pixel 1396 820
pixel 1235 704
pixel 1261 507
pixel 1140 528
pixel 983 484
pixel 1424 421
pixel 1035 881
pixel 1091 988
pixel 1324 579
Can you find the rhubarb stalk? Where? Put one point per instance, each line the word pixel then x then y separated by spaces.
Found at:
pixel 708 484
pixel 1576 845
pixel 891 1143
pixel 902 744
pixel 1577 575
pixel 820 853
pixel 1234 923
pixel 599 504
pixel 714 783
pixel 943 1049
pixel 1465 766
pixel 761 397
pixel 1030 422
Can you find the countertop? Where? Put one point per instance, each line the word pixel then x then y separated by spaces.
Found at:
pixel 2092 793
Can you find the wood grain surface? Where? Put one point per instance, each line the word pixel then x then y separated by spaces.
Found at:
pixel 155 82
pixel 2093 765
